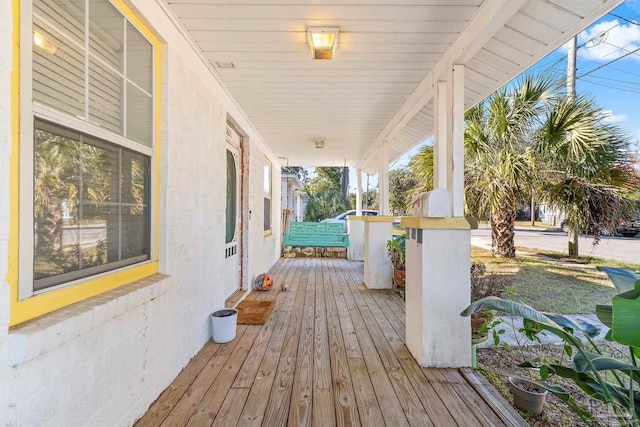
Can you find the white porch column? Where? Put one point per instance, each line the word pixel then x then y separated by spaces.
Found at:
pixel 378 271
pixel 383 180
pixel 358 192
pixel 439 249
pixel 438 263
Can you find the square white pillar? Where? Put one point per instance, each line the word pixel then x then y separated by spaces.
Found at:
pixel 378 271
pixel 355 227
pixel 437 290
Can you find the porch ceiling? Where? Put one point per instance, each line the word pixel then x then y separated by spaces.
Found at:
pixel 379 84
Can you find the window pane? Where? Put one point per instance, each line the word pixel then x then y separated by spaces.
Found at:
pixel 135 214
pixel 138 115
pixel 139 57
pixel 106 33
pixel 56 202
pixel 105 97
pixel 91 206
pixel 231 198
pixel 67 16
pixel 58 71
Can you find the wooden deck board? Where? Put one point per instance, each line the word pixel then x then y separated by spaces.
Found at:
pixel 332 353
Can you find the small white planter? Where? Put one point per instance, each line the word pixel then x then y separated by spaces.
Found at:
pixel 223 325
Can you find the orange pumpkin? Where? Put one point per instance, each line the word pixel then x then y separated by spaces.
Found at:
pixel 263 282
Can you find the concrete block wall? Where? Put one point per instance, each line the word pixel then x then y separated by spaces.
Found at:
pixel 105 360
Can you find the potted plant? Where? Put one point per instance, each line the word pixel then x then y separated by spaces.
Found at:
pixel 484 285
pixel 527 396
pixel 396 249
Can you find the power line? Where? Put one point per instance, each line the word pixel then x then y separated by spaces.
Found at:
pixel 625 19
pixel 620 88
pixel 610 62
pixel 616 80
pixel 611 68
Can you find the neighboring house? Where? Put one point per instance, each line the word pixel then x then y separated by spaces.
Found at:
pixel 549 215
pixel 119 120
pixel 294 199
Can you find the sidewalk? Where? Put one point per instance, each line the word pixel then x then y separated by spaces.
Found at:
pixel 511 324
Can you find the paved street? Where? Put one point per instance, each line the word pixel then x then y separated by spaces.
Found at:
pixel 616 248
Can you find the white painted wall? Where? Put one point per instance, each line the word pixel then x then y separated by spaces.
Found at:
pixel 6 66
pixel 104 364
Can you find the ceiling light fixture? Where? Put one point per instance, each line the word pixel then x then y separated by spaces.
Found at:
pixel 322 41
pixel 225 65
pixel 44 43
pixel 319 142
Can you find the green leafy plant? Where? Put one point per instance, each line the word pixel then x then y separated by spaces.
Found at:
pixel 607 379
pixel 396 249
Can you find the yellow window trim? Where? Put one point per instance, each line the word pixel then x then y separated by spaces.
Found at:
pixel 30 308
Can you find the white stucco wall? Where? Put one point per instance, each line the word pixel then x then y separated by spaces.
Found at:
pixel 105 363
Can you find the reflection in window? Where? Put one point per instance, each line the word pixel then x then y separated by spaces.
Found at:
pixel 110 84
pixel 91 206
pixel 267 195
pixel 231 198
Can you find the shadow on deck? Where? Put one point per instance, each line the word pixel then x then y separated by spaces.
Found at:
pixel 331 353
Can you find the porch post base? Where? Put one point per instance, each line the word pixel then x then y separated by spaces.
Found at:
pixel 437 290
pixel 378 271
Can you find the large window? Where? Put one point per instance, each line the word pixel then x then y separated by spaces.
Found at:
pixel 91 206
pixel 92 74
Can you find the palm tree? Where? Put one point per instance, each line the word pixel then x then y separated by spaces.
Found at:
pixel 530 137
pixel 422 167
pixel 585 170
pixel 499 155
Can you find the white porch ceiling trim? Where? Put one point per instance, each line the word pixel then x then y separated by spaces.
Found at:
pixel 368 162
pixel 489 20
pixel 422 96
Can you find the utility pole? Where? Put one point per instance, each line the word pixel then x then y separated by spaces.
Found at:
pixel 571 95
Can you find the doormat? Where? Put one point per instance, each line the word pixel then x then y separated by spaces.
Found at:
pixel 254 312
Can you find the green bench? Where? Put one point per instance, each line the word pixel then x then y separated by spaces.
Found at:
pixel 316 234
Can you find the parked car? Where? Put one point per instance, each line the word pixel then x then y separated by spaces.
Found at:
pixel 343 216
pixel 628 227
pixel 625 227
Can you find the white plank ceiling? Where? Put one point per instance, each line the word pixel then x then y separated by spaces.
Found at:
pixel 379 85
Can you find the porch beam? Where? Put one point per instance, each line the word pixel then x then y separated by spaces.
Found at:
pixel 457 139
pixel 489 20
pixel 383 180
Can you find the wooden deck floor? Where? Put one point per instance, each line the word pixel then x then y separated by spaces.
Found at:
pixel 331 353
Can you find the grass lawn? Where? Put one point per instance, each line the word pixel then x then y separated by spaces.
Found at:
pixel 548 282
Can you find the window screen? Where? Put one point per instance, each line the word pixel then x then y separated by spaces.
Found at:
pixel 91 206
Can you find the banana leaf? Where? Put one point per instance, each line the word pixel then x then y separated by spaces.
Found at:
pixel 605 314
pixel 515 308
pixel 582 326
pixel 624 280
pixel 604 363
pixel 626 318
pixel 596 390
pixel 600 363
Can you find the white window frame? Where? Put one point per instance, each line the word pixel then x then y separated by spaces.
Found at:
pixel 28 111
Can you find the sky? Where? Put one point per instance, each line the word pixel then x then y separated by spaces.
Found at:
pixel 608 70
